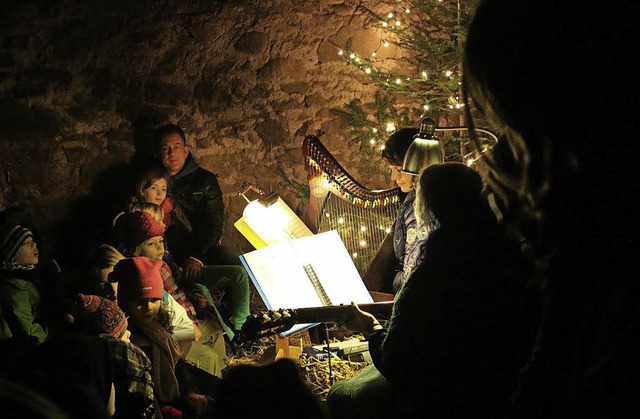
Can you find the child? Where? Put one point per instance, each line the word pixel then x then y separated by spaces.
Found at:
pixel 98 316
pixel 140 293
pixel 22 319
pixel 232 279
pixel 144 237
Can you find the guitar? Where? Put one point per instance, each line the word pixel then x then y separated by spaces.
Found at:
pixel 272 322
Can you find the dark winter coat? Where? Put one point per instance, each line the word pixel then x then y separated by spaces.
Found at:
pixel 198 193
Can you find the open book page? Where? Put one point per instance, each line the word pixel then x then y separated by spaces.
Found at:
pixel 278 273
pixel 275 223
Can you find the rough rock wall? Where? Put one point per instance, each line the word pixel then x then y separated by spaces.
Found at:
pixel 84 83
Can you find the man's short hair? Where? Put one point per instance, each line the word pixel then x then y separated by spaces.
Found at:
pixel 165 130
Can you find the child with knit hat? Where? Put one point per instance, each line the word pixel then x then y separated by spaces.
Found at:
pixel 20 288
pixel 100 316
pixel 143 236
pixel 140 293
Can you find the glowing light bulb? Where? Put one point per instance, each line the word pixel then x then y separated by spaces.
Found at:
pixel 448 73
pixel 372 141
pixel 397 23
pixel 425 107
pixel 352 56
pixel 469 162
pixel 340 52
pixel 363 243
pixel 384 24
pixel 354 255
pixel 398 81
pixel 390 127
pixel 367 70
pixel 375 129
pixel 424 74
pixel 390 15
pixel 373 54
pixel 340 220
pixel 387 230
pixel 363 228
pixel 386 44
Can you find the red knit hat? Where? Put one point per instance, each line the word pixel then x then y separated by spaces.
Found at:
pixel 136 227
pixel 137 277
pixel 96 315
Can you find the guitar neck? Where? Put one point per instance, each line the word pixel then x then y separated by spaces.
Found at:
pixel 334 313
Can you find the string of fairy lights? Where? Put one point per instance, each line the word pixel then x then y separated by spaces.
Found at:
pixel 433 76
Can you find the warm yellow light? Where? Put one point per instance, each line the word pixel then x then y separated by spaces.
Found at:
pixel 367 70
pixel 363 243
pixel 448 73
pixel 352 56
pixel 397 23
pixel 398 81
pixel 384 24
pixel 363 228
pixel 390 127
pixel 425 107
pixel 390 15
pixel 386 44
pixel 372 141
pixel 373 54
pixel 375 129
pixel 340 52
pixel 340 220
pixel 424 74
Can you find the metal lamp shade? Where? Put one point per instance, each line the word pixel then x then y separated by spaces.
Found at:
pixel 421 153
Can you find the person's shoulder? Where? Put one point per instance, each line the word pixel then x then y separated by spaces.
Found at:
pixel 15 283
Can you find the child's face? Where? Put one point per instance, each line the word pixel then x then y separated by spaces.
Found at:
pixel 27 253
pixel 157 192
pixel 152 248
pixel 143 310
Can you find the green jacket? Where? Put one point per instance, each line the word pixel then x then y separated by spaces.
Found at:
pixel 19 310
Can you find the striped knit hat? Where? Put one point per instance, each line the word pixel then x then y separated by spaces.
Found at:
pixel 11 238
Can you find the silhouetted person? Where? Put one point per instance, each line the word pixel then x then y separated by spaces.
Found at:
pixel 556 80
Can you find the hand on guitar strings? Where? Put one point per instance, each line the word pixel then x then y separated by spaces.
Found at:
pixel 358 320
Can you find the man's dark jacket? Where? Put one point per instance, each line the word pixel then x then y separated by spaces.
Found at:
pixel 197 192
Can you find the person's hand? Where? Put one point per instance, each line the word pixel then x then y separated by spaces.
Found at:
pixel 192 268
pixel 197 333
pixel 358 320
pixel 198 402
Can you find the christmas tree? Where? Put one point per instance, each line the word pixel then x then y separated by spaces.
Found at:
pixel 423 77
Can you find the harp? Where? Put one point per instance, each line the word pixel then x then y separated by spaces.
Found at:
pixel 363 218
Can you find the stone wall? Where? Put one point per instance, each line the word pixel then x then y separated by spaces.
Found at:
pixel 84 83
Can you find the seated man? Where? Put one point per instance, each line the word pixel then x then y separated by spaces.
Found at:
pixel 198 193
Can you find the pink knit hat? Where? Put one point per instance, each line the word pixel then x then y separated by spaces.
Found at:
pixel 136 227
pixel 95 315
pixel 137 277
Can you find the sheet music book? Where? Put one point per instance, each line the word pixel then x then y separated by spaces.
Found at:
pixel 311 271
pixel 264 226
